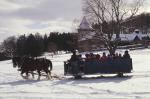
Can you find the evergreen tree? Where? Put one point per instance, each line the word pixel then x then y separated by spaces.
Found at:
pixel 45 41
pixel 21 41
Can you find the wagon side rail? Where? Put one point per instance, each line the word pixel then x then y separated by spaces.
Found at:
pixel 92 67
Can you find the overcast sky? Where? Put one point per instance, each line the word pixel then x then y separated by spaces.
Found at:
pixel 31 16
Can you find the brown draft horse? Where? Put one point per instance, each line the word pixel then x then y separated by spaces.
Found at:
pixel 29 65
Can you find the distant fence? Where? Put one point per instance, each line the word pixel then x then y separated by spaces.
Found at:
pixel 130 47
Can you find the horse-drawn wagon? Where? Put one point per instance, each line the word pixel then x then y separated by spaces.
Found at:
pixel 115 66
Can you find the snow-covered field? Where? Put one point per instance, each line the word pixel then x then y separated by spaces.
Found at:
pixel 134 86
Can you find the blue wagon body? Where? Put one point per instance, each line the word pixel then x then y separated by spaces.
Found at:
pixel 115 66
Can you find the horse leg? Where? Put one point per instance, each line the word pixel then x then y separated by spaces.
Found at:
pixel 50 74
pixel 47 74
pixel 39 74
pixel 32 74
pixel 27 75
pixel 22 72
pixel 51 67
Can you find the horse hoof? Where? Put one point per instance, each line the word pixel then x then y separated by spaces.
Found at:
pixel 38 79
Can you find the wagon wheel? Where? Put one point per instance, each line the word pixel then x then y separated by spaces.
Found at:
pixel 77 76
pixel 120 74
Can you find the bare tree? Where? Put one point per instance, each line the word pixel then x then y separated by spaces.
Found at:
pixel 9 46
pixel 52 47
pixel 109 16
pixel 75 25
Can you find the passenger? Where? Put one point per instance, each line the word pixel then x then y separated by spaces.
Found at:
pixel 98 57
pixel 92 56
pixel 116 56
pixel 109 57
pixel 120 56
pixel 80 57
pixel 126 55
pixel 104 57
pixel 113 56
pixel 87 57
pixel 81 60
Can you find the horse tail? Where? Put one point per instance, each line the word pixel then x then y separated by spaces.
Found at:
pixel 14 62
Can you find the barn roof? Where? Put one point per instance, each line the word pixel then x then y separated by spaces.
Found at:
pixel 84 24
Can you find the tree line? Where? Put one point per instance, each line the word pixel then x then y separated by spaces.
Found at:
pixel 35 44
pixel 141 22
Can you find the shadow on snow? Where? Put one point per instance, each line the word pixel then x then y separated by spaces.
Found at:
pixel 20 82
pixel 89 80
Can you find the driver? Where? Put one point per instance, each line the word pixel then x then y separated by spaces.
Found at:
pixel 74 56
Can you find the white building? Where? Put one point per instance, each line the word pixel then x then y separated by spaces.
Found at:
pixel 86 36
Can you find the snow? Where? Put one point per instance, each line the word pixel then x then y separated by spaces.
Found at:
pixel 133 86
